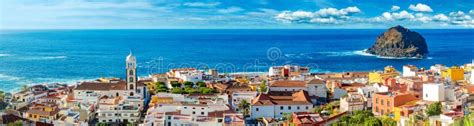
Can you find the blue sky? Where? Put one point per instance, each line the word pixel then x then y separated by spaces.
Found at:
pixel 105 14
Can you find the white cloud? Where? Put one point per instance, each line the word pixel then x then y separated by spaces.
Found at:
pixel 230 10
pixel 420 7
pixel 471 12
pixel 460 18
pixel 325 15
pixel 201 4
pixel 395 8
pixel 441 17
pixel 402 15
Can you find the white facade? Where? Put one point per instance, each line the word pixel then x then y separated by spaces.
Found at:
pixel 238 97
pixel 286 88
pixel 119 109
pixel 317 89
pixel 433 92
pixel 277 111
pixel 472 73
pixel 189 75
pixel 338 93
pixel 275 71
pixel 185 110
pixel 409 71
pixel 353 102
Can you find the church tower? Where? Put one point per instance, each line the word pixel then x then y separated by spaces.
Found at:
pixel 131 72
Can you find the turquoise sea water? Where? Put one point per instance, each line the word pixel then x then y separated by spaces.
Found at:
pixel 42 56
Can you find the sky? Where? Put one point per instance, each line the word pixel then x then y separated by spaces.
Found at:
pixel 235 14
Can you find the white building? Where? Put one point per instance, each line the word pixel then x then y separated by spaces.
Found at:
pixel 287 71
pixel 287 85
pixel 115 100
pixel 119 109
pixel 438 68
pixel 177 110
pixel 271 106
pixel 186 74
pixel 240 96
pixel 409 71
pixel 433 92
pixel 472 72
pixel 353 102
pixel 368 92
pixel 317 88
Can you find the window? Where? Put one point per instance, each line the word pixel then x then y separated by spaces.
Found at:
pixel 281 107
pixel 202 113
pixel 298 107
pixel 289 107
pixel 256 109
pixel 307 107
pixel 388 103
pixel 381 102
pixel 130 72
pixel 185 107
pixel 194 112
pixel 131 86
pixel 130 79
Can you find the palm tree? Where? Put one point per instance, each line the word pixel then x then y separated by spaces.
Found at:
pixel 244 106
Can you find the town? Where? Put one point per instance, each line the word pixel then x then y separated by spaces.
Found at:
pixel 287 95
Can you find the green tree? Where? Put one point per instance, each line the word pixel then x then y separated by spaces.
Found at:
pixel 16 123
pixel 318 109
pixel 175 84
pixel 205 90
pixel 263 87
pixel 177 91
pixel 434 109
pixel 388 122
pixel 161 87
pixel 372 121
pixel 188 84
pixel 287 117
pixel 201 84
pixel 244 106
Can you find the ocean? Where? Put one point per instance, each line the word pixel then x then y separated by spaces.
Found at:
pixel 45 56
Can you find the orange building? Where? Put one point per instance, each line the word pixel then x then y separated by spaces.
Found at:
pixel 385 102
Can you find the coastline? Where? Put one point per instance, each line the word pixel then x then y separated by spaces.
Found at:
pixel 365 53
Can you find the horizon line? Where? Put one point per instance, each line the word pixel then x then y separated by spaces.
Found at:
pixel 223 28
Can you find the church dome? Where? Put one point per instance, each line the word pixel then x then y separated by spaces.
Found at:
pixel 130 57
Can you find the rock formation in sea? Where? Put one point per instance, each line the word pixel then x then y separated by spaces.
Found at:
pixel 399 42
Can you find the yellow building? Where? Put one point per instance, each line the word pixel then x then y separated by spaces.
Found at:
pixel 404 110
pixel 378 77
pixel 455 73
pixel 42 112
pixel 160 100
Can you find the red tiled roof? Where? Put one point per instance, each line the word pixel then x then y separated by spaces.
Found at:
pixel 288 83
pixel 120 85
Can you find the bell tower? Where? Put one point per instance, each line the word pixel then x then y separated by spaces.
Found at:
pixel 131 72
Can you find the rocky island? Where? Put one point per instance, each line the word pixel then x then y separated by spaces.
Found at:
pixel 399 42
